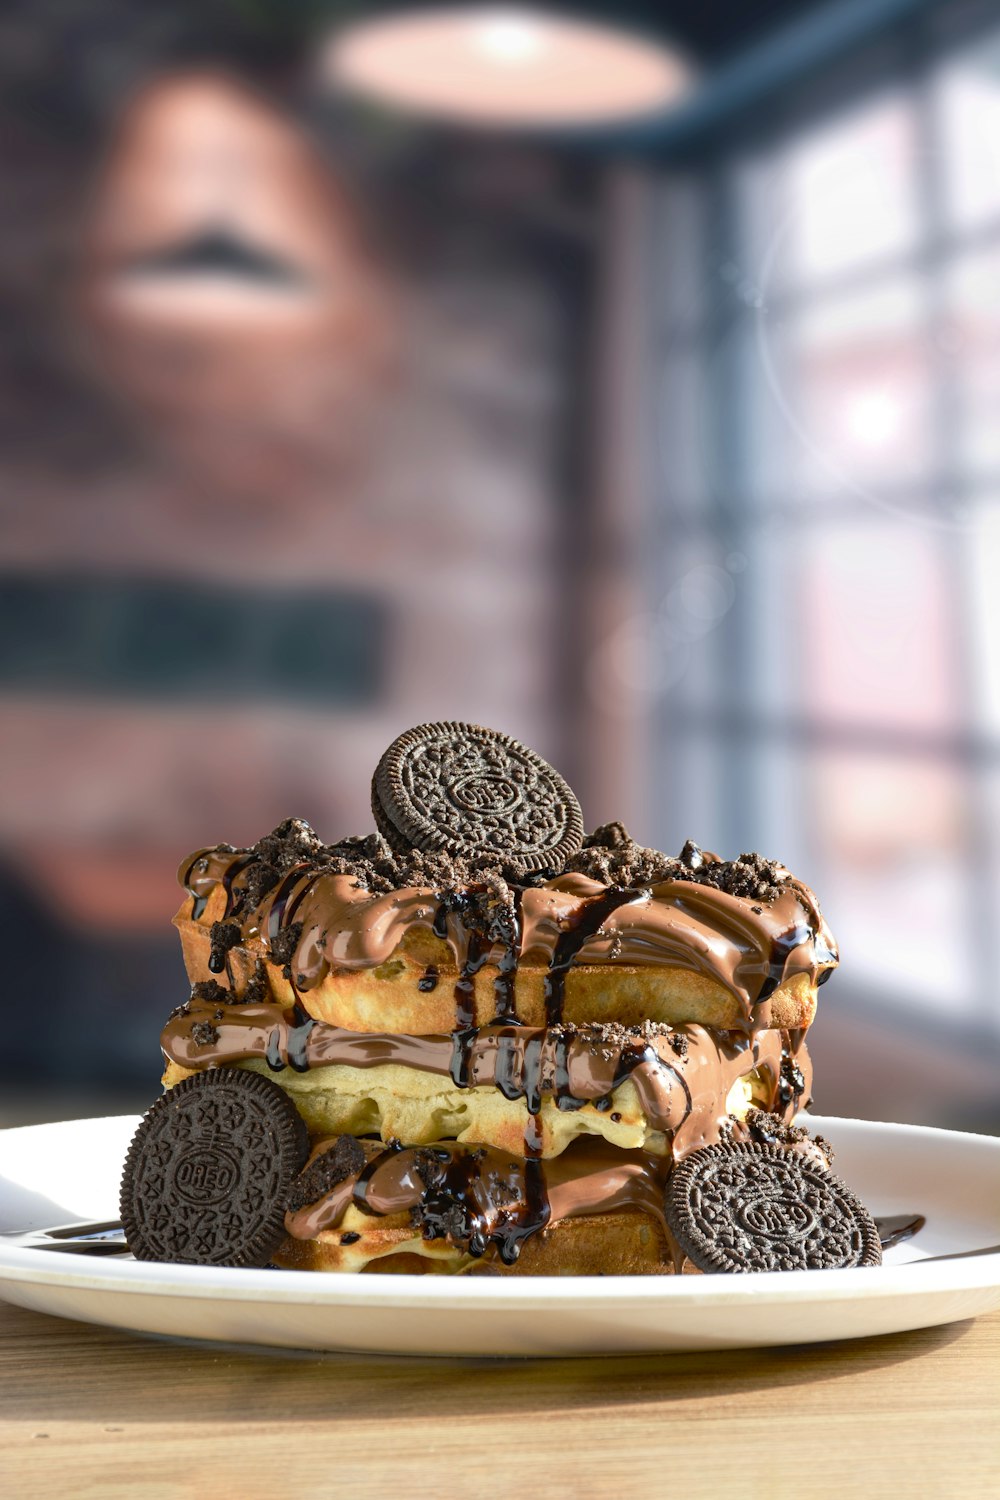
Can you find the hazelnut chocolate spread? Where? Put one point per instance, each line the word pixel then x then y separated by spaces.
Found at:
pixel 312 909
pixel 751 927
pixel 482 1197
pixel 682 1075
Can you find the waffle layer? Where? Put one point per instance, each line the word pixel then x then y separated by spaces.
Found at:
pixel 667 1090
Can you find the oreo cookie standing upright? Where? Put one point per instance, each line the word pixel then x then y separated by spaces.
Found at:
pixel 210 1169
pixel 469 791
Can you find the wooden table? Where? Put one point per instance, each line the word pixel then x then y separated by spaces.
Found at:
pixel 90 1412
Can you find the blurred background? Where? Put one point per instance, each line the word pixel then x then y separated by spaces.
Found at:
pixel 624 376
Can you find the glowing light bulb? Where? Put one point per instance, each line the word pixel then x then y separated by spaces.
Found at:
pixel 509 37
pixel 494 65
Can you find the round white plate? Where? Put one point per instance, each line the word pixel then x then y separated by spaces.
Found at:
pixel 51 1174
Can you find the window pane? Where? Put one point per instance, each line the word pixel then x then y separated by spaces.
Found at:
pixel 852 195
pixel 777 825
pixel 882 840
pixel 972 346
pixel 856 392
pixel 968 94
pixel 893 877
pixel 875 643
pixel 838 199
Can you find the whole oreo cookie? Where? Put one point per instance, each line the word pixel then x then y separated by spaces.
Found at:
pixel 469 791
pixel 209 1171
pixel 749 1207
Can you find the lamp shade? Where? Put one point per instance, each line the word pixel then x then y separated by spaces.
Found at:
pixel 492 66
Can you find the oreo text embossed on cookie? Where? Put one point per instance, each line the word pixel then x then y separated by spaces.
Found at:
pixel 209 1171
pixel 747 1207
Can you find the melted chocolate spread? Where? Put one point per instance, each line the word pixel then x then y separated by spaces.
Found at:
pixel 893 1229
pixel 750 946
pixel 682 1075
pixel 478 1198
pixel 314 910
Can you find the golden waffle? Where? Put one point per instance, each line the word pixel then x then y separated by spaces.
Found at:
pixel 578 1033
pixel 656 1088
pixel 617 1244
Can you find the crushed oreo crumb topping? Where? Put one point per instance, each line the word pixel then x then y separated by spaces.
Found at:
pixel 376 867
pixel 345 1159
pixel 223 936
pixel 204 1033
pixel 611 856
pixel 212 991
pixel 791 1082
pixel 447 1209
pixel 480 888
pixel 284 945
pixel 608 836
pixel 615 1034
pixel 770 1130
pixel 258 991
pixel 691 857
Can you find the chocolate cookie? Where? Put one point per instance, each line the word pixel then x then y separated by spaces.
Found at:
pixel 749 1207
pixel 346 1158
pixel 471 791
pixel 208 1175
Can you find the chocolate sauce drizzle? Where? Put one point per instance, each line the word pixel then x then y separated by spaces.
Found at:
pixel 478 1197
pixel 893 1229
pixel 783 947
pixel 504 985
pixel 360 1190
pixel 749 948
pixel 198 903
pixel 276 917
pixel 228 876
pixel 466 1030
pixel 590 920
pixel 448 1187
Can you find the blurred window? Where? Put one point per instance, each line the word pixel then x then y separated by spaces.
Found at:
pixel 967 92
pixel 850 192
pixel 827 440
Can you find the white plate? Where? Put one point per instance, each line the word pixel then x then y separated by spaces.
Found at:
pixel 50 1174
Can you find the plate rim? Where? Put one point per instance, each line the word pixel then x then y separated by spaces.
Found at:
pixel 330 1289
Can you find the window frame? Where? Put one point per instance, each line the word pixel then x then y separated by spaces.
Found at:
pixel 910 58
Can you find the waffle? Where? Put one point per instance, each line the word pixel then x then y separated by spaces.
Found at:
pixel 402 975
pixel 655 1088
pixel 632 1239
pixel 624 1244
